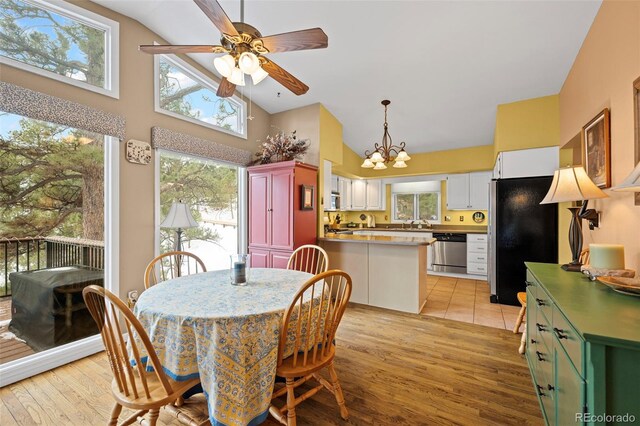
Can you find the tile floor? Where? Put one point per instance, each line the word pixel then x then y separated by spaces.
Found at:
pixel 467 301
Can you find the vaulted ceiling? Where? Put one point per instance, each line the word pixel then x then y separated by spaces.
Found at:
pixel 445 65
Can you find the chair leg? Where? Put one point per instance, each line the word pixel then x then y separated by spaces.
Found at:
pixel 337 391
pixel 516 327
pixel 115 413
pixel 153 416
pixel 523 342
pixel 291 403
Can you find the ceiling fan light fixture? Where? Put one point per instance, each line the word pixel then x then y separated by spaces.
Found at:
pixel 367 164
pixel 258 75
pixel 376 157
pixel 399 164
pixel 402 156
pixel 248 62
pixel 236 77
pixel 380 166
pixel 225 65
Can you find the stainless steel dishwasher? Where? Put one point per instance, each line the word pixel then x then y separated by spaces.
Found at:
pixel 450 253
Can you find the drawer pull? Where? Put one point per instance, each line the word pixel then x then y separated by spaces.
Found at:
pixel 551 388
pixel 540 356
pixel 540 390
pixel 533 342
pixel 540 327
pixel 528 284
pixel 540 302
pixel 560 333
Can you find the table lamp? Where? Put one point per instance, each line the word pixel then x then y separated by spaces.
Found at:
pixel 179 218
pixel 573 184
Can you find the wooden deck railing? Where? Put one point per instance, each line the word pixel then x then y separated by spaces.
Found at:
pixel 25 254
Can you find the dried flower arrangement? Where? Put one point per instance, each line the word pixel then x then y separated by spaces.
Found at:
pixel 281 147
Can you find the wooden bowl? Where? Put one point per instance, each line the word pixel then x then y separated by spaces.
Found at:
pixel 630 286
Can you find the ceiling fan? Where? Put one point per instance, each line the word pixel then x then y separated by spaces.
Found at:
pixel 243 47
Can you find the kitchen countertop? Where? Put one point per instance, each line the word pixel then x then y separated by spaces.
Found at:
pixel 378 239
pixel 436 228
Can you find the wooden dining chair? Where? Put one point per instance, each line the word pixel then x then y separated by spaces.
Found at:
pixel 309 258
pixel 307 341
pixel 133 385
pixel 171 265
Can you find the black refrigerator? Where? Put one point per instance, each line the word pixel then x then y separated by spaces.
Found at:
pixel 520 230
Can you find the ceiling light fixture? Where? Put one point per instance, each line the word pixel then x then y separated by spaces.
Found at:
pixel 382 154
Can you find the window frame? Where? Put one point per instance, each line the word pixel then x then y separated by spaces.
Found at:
pixel 111 47
pixel 416 206
pixel 207 82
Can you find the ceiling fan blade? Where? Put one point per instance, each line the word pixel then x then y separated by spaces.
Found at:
pixel 168 48
pixel 226 88
pixel 313 38
pixel 216 14
pixel 284 78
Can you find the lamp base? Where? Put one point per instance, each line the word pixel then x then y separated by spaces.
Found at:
pixel 571 267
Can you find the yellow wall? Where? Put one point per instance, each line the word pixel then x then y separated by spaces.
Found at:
pixel 136 105
pixel 532 123
pixel 602 77
pixel 330 137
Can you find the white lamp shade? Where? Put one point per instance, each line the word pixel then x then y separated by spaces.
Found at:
pixel 631 183
pixel 572 184
pixel 237 77
pixel 367 163
pixel 248 63
pixel 399 164
pixel 258 75
pixel 380 166
pixel 403 156
pixel 225 65
pixel 179 216
pixel 376 157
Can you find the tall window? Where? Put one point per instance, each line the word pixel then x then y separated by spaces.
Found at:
pixel 210 189
pixel 60 41
pixel 183 92
pixel 416 201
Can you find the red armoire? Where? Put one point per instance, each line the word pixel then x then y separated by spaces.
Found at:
pixel 278 224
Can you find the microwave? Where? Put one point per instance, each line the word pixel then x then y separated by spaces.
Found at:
pixel 335 201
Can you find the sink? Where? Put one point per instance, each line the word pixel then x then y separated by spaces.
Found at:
pixel 423 229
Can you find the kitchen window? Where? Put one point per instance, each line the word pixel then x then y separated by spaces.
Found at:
pixel 61 41
pixel 415 201
pixel 183 92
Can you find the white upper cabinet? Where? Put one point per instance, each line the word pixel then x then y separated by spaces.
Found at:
pixel 375 194
pixel 527 163
pixel 358 194
pixel 344 188
pixel 326 180
pixel 468 191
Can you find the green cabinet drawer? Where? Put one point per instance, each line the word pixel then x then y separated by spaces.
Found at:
pixel 569 339
pixel 569 389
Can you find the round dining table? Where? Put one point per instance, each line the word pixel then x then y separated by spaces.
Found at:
pixel 203 326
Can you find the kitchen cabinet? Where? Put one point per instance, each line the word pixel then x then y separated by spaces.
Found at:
pixel 468 191
pixel 527 163
pixel 409 234
pixel 375 195
pixel 327 179
pixel 277 225
pixel 367 194
pixel 344 188
pixel 358 194
pixel 477 254
pixel 583 347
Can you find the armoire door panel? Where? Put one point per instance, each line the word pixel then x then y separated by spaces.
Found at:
pixel 281 209
pixel 259 213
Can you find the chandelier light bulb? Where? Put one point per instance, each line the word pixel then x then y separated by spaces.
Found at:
pixel 237 77
pixel 377 158
pixel 258 75
pixel 367 163
pixel 225 65
pixel 403 156
pixel 248 62
pixel 380 166
pixel 400 164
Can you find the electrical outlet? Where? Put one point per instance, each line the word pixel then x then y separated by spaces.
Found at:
pixel 386 217
pixel 461 218
pixel 447 218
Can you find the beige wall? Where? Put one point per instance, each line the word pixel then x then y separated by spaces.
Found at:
pixel 136 104
pixel 306 122
pixel 602 77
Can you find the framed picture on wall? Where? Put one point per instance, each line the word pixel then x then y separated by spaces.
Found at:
pixel 596 139
pixel 636 119
pixel 306 197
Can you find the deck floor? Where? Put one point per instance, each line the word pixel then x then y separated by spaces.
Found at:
pixel 11 348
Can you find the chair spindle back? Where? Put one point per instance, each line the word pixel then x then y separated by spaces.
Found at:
pixel 309 258
pixel 171 265
pixel 312 319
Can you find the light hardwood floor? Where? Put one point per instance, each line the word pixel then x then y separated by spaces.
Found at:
pixel 395 369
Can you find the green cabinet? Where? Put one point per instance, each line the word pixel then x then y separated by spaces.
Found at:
pixel 583 348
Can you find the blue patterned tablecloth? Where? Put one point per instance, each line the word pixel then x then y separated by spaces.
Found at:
pixel 202 326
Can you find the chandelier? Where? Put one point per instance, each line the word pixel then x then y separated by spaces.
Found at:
pixel 382 154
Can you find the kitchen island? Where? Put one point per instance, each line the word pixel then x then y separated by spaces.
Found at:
pixel 388 272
